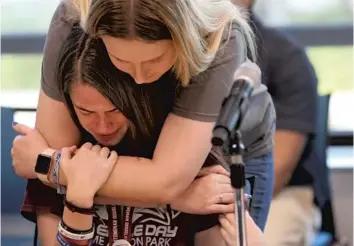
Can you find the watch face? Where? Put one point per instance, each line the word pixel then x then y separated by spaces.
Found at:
pixel 43 164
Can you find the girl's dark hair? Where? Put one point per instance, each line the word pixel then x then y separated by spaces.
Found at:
pixel 85 60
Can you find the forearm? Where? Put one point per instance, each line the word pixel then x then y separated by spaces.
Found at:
pixel 103 200
pixel 47 229
pixel 77 227
pixel 143 181
pixel 282 176
pixel 149 184
pixel 289 146
pixel 111 193
pixel 284 166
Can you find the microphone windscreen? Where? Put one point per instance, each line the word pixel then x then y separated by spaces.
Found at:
pixel 249 71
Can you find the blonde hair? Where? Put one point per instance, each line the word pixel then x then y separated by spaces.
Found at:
pixel 197 27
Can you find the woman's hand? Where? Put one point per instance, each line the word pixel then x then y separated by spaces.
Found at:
pixel 211 192
pixel 86 171
pixel 228 230
pixel 25 149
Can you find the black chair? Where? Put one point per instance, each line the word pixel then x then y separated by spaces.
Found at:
pixel 327 236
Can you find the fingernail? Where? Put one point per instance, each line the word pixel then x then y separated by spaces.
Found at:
pixel 248 196
pixel 14 123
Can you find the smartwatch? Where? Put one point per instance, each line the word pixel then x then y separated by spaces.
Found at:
pixel 43 164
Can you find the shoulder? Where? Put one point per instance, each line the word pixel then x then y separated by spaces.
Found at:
pixel 202 98
pixel 60 28
pixel 62 22
pixel 233 45
pixel 64 14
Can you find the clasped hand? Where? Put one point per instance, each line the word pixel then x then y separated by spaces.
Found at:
pixel 211 192
pixel 88 169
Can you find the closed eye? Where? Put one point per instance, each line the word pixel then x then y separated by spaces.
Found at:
pixel 118 60
pixel 116 110
pixel 84 112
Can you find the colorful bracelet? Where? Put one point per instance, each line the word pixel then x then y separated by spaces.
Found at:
pixel 60 188
pixel 64 241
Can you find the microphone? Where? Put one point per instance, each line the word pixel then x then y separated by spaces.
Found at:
pixel 247 77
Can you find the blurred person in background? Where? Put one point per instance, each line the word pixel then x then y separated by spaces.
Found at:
pixel 294 215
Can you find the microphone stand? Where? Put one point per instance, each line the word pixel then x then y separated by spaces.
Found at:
pixel 226 134
pixel 237 168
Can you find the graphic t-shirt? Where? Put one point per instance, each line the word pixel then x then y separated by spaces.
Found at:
pixel 118 225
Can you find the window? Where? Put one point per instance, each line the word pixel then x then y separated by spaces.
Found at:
pixel 23 21
pixel 28 118
pixel 20 80
pixel 20 72
pixel 333 67
pixel 305 12
pixel 26 16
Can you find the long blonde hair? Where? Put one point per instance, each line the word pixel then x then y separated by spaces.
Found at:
pixel 197 27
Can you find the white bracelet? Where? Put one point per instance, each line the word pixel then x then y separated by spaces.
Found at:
pixel 75 236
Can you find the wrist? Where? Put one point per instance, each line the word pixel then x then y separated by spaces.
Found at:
pixel 80 197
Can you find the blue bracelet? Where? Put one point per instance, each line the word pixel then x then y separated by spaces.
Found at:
pixel 62 241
